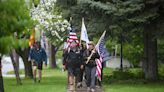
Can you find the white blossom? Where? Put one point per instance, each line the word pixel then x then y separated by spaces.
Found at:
pixel 53 33
pixel 44 14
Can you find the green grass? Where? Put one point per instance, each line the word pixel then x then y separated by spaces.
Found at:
pixel 53 81
pixel 21 71
pixel 129 87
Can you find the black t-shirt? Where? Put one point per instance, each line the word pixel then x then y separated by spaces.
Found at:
pixel 73 58
pixel 92 62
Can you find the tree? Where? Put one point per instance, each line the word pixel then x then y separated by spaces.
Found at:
pixel 125 16
pixel 1 78
pixel 50 21
pixel 12 22
pixel 24 53
pixel 16 70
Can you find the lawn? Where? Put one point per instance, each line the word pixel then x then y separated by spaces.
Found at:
pixel 54 80
pixel 132 84
pixel 129 87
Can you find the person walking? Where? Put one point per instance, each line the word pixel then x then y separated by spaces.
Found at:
pixel 37 56
pixel 81 73
pixel 73 62
pixel 90 67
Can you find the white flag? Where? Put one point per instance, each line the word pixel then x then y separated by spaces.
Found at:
pixel 84 35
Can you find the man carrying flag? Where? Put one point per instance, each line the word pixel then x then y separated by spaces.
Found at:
pixel 103 53
pixel 90 68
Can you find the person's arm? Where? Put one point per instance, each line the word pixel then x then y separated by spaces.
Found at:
pixel 65 56
pixel 30 57
pixel 44 56
pixel 85 56
pixel 64 59
pixel 97 55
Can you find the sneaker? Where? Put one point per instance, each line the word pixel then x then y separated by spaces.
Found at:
pixel 71 87
pixel 88 89
pixel 79 85
pixel 92 90
pixel 98 86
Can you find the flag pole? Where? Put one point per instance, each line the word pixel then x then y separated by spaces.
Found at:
pixel 95 47
pixel 81 29
pixel 90 56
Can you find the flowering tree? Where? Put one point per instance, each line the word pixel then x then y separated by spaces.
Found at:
pixel 50 22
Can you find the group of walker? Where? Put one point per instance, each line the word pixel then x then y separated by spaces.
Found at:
pixel 80 65
pixel 76 60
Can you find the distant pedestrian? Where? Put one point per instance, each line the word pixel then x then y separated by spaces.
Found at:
pixel 37 56
pixel 81 73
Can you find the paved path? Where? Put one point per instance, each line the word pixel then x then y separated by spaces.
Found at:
pixel 84 89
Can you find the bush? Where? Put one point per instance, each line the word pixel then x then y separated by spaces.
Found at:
pixel 117 75
pixel 161 71
pixel 122 75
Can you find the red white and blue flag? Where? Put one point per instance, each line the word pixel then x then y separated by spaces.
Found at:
pixel 71 37
pixel 104 54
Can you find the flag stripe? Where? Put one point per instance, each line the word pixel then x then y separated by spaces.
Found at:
pixel 71 37
pixel 100 49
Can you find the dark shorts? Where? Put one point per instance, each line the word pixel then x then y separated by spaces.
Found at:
pixel 39 65
pixel 73 71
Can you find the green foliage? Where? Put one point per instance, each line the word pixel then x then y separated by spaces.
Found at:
pixel 36 2
pixel 122 75
pixel 8 42
pixel 110 44
pixel 160 50
pixel 131 75
pixel 111 75
pixel 15 19
pixel 133 53
pixel 5 44
pixel 126 17
pixel 161 71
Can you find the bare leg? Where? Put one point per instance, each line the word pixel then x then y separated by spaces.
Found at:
pixel 71 82
pixel 34 73
pixel 40 75
pixel 74 83
pixel 71 79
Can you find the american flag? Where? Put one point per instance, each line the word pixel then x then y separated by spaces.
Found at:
pixel 101 50
pixel 71 37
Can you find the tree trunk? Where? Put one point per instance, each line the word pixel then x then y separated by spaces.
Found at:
pixel 28 67
pixel 121 55
pixel 150 64
pixel 52 56
pixel 1 77
pixel 17 60
pixel 13 59
pixel 27 64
